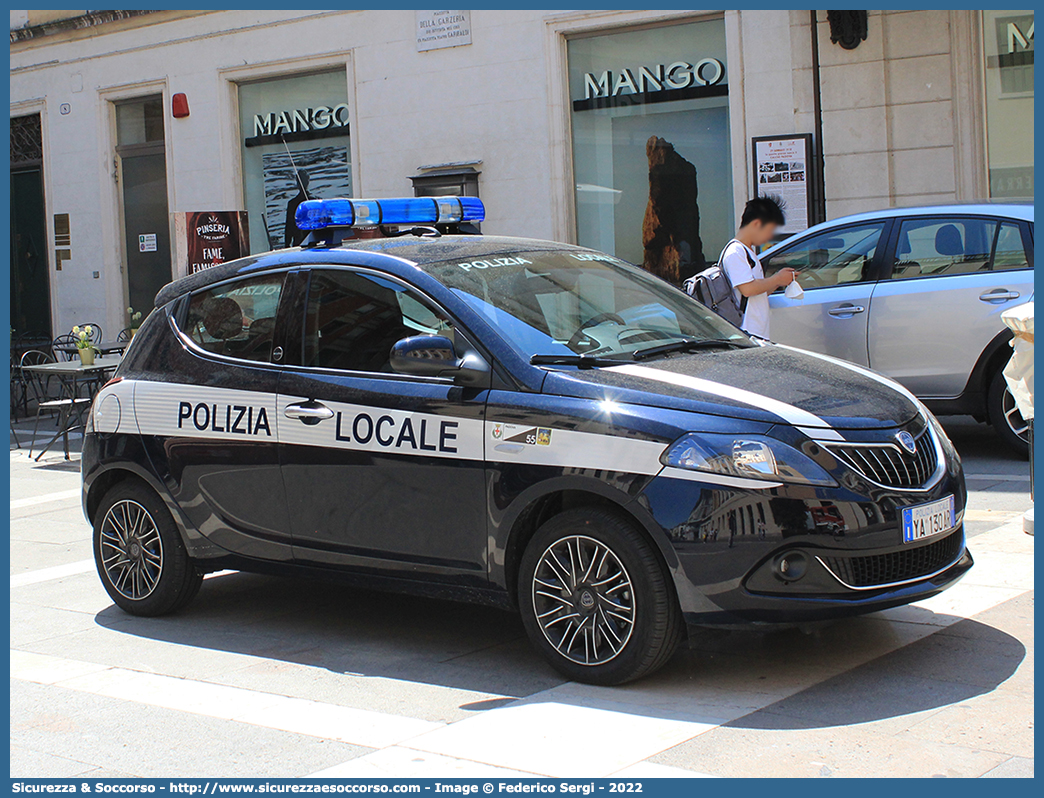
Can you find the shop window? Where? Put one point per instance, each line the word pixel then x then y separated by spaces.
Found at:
pixel 651 145
pixel 1008 48
pixel 296 145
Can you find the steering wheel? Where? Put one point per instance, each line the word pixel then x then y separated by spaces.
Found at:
pixel 574 339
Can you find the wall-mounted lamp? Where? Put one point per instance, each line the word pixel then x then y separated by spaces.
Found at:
pixel 179 105
pixel 847 28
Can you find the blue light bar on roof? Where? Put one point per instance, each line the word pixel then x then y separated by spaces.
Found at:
pixel 322 213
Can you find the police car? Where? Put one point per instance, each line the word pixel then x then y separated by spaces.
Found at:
pixel 524 423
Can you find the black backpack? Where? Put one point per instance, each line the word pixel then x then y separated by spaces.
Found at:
pixel 712 288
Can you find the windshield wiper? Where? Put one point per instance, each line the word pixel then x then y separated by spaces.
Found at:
pixel 580 361
pixel 686 345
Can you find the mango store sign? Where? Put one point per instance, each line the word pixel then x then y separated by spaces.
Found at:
pixel 646 79
pixel 301 120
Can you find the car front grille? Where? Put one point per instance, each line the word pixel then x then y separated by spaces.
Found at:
pixel 904 565
pixel 888 464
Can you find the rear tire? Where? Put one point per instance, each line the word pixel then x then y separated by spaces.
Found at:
pixel 141 559
pixel 1005 417
pixel 596 600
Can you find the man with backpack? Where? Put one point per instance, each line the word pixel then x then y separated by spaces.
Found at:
pixel 762 216
pixel 736 288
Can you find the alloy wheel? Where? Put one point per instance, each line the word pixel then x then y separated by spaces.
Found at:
pixel 131 549
pixel 583 600
pixel 1013 418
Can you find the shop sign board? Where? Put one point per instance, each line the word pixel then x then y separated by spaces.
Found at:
pixel 437 29
pixel 653 83
pixel 783 168
pixel 206 238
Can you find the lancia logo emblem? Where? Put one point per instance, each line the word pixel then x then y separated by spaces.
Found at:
pixel 906 441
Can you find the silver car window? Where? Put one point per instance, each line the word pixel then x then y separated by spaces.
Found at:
pixel 1009 252
pixel 833 257
pixel 941 247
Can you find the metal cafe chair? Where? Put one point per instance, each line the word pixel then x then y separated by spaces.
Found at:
pixel 61 340
pixel 65 405
pixel 124 335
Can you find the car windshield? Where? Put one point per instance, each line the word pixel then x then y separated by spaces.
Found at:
pixel 580 303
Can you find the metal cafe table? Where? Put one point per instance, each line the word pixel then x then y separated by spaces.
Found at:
pixel 105 347
pixel 69 374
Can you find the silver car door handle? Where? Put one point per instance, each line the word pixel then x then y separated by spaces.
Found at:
pixel 999 295
pixel 509 448
pixel 310 412
pixel 846 310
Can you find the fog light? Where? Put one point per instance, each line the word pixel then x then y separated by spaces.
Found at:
pixel 791 566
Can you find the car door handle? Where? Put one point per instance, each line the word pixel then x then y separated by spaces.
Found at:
pixel 846 311
pixel 310 412
pixel 999 295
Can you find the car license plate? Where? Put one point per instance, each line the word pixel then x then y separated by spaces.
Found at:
pixel 926 520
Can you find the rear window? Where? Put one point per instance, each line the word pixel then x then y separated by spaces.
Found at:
pixel 236 319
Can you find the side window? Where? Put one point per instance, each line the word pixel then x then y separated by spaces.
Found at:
pixel 352 320
pixel 831 258
pixel 939 247
pixel 236 319
pixel 1009 252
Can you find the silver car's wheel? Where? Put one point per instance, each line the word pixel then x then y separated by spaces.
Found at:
pixel 1013 418
pixel 1005 417
pixel 583 600
pixel 131 549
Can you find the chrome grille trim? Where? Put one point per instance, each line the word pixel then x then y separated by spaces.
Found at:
pixel 889 466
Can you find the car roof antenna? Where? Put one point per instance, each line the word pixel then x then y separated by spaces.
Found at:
pixel 297 172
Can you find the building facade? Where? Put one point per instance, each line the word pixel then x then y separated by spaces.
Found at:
pixel 139 139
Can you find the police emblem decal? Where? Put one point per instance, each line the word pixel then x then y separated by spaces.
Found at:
pixel 906 440
pixel 543 436
pixel 498 431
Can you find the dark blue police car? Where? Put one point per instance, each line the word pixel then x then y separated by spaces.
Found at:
pixel 519 422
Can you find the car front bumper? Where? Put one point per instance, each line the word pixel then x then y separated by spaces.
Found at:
pixel 795 554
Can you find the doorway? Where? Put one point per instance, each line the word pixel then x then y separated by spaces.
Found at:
pixel 30 283
pixel 142 168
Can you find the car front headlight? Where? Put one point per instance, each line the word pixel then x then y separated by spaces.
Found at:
pixel 746 456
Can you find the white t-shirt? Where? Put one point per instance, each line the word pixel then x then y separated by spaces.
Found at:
pixel 735 262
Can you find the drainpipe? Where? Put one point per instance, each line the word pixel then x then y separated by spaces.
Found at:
pixel 819 198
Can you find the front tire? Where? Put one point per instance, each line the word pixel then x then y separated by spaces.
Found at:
pixel 596 600
pixel 1005 417
pixel 141 559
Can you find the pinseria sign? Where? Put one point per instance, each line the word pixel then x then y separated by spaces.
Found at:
pixel 650 83
pixel 203 239
pixel 212 228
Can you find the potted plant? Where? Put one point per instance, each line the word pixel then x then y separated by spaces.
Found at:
pixel 84 347
pixel 135 318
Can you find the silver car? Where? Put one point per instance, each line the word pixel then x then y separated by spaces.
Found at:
pixel 916 294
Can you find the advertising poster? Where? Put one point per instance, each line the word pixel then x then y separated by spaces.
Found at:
pixel 781 169
pixel 206 238
pixel 290 177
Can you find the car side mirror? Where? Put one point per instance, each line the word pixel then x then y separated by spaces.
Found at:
pixel 434 356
